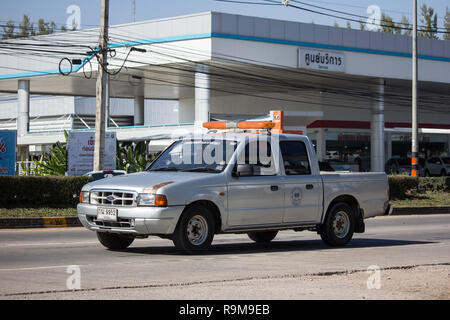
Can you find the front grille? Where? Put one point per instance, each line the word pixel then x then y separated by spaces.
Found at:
pixel 121 223
pixel 113 198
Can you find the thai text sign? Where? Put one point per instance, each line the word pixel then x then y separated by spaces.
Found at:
pixel 81 152
pixel 8 143
pixel 321 60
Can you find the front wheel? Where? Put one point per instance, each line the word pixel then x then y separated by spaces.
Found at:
pixel 195 230
pixel 443 173
pixel 262 236
pixel 114 241
pixel 339 225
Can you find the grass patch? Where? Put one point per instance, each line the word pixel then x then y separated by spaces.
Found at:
pixel 37 212
pixel 426 199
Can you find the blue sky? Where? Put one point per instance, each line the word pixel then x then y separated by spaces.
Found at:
pixel 120 10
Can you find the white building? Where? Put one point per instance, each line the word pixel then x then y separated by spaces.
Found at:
pixel 224 66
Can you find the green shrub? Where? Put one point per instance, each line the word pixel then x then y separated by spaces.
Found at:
pixel 438 184
pixel 31 191
pixel 400 185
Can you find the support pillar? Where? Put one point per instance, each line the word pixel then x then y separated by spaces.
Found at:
pixel 202 97
pixel 448 145
pixel 23 116
pixel 377 131
pixel 107 102
pixel 321 144
pixel 388 145
pixel 139 108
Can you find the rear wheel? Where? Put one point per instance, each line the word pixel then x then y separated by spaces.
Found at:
pixel 262 236
pixel 339 225
pixel 195 230
pixel 443 172
pixel 114 241
pixel 427 173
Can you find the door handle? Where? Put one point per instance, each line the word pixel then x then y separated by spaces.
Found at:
pixel 309 186
pixel 274 188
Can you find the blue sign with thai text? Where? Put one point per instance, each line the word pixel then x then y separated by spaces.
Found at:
pixel 8 143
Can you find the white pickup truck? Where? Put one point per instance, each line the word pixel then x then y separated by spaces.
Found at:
pixel 188 198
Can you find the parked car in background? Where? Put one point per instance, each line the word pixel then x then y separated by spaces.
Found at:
pixel 97 175
pixel 437 166
pixel 403 166
pixel 332 155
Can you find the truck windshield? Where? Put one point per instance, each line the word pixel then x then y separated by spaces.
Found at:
pixel 196 156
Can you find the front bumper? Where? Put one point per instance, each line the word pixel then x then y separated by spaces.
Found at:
pixel 145 220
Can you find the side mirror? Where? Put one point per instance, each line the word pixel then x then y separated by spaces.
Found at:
pixel 243 170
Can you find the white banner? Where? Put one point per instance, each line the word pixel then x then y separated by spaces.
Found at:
pixel 81 152
pixel 321 60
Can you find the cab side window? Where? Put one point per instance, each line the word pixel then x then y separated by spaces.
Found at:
pixel 295 158
pixel 259 155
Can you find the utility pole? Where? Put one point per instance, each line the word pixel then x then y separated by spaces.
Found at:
pixel 133 5
pixel 414 140
pixel 101 90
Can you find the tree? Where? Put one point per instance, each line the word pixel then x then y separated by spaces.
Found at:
pixel 429 20
pixel 336 24
pixel 45 27
pixel 26 28
pixel 447 24
pixel 349 26
pixel 387 24
pixel 404 23
pixel 362 26
pixel 8 30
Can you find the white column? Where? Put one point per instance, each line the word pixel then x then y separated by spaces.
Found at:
pixel 23 115
pixel 202 96
pixel 139 108
pixel 107 102
pixel 320 144
pixel 377 131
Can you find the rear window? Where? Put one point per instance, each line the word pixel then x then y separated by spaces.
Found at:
pixel 295 158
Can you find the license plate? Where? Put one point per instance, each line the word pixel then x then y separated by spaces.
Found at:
pixel 108 214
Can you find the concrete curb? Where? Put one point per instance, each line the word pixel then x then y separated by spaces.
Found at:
pixel 45 222
pixel 400 211
pixel 64 222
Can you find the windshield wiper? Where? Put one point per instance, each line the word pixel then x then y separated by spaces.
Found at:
pixel 201 169
pixel 166 169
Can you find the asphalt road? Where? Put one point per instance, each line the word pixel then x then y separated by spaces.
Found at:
pixel 34 262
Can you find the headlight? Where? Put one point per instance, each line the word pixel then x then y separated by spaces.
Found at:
pixel 149 199
pixel 84 197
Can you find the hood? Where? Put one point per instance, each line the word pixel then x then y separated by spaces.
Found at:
pixel 142 180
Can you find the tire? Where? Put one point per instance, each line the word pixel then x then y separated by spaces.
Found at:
pixel 339 225
pixel 443 173
pixel 114 241
pixel 427 173
pixel 195 230
pixel 262 236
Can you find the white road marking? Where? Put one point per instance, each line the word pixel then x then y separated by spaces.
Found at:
pixel 34 268
pixel 45 244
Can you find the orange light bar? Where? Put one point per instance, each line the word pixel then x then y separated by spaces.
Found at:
pixel 240 125
pixel 255 125
pixel 215 125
